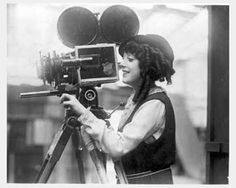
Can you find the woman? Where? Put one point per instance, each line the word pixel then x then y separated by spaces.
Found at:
pixel 145 141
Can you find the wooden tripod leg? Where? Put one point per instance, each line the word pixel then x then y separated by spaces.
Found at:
pixel 77 141
pixel 101 171
pixel 54 153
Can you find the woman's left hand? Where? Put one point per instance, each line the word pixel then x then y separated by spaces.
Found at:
pixel 70 101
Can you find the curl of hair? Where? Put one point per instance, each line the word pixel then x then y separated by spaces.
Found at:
pixel 143 90
pixel 154 66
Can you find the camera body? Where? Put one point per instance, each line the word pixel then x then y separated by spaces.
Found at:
pixel 88 65
pixel 98 65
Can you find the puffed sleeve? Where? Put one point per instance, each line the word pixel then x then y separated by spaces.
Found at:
pixel 147 120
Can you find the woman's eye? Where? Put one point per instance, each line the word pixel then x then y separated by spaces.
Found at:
pixel 130 59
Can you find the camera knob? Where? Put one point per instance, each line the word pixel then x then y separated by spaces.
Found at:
pixel 90 95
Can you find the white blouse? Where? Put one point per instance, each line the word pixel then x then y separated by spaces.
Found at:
pixel 147 125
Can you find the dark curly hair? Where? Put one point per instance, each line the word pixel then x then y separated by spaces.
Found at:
pixel 154 66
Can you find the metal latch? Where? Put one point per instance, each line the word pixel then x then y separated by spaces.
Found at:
pixel 219 147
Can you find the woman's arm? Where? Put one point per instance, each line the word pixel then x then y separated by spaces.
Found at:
pixel 147 120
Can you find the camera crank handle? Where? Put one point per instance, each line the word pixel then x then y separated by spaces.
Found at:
pixel 117 107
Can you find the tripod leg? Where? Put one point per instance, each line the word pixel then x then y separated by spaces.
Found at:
pixel 54 153
pixel 99 165
pixel 76 141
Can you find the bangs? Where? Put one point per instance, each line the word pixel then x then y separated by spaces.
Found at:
pixel 132 48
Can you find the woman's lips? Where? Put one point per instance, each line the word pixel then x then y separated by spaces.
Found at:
pixel 125 72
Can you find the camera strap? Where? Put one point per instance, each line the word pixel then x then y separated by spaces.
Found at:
pixel 118 165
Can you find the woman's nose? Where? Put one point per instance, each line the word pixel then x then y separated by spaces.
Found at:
pixel 121 63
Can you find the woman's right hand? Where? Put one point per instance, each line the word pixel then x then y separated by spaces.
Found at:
pixel 70 101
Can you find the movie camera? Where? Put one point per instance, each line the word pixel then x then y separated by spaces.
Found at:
pixel 93 39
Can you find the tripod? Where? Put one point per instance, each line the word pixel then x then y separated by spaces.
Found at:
pixel 71 127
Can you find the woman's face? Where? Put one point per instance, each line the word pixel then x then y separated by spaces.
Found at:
pixel 130 69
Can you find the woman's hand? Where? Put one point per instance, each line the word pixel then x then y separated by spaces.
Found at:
pixel 70 101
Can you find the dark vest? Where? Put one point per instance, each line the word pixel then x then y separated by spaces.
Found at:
pixel 161 153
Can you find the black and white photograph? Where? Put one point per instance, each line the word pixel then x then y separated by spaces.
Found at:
pixel 116 92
